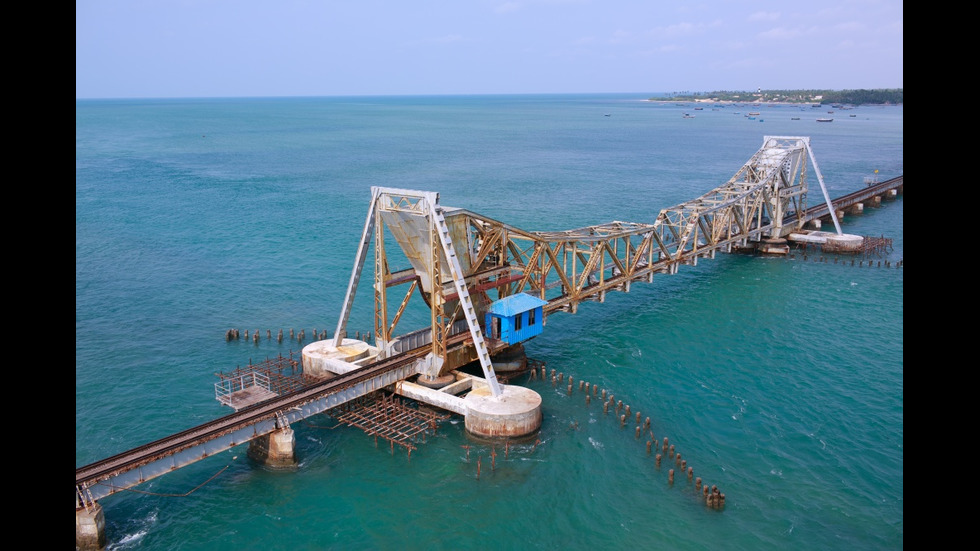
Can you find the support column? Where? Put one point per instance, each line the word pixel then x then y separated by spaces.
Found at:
pixel 90 528
pixel 276 449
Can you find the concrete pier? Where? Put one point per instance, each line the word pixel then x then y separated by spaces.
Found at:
pixel 514 414
pixel 323 360
pixel 276 449
pixel 774 246
pixel 90 528
pixel 830 242
pixel 843 243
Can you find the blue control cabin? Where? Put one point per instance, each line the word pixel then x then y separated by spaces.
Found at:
pixel 516 318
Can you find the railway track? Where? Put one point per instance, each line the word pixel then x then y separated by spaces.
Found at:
pixel 175 443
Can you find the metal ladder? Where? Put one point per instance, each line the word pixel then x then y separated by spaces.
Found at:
pixel 464 298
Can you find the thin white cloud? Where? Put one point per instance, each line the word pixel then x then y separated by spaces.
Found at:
pixel 764 16
pixel 508 7
pixel 851 27
pixel 660 50
pixel 680 29
pixel 620 36
pixel 751 63
pixel 735 45
pixel 896 28
pixel 685 29
pixel 780 33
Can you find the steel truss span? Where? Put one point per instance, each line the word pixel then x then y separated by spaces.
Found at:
pixel 487 259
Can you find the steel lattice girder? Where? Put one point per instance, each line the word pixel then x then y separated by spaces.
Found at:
pixel 567 267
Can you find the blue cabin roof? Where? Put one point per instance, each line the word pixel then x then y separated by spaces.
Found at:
pixel 515 304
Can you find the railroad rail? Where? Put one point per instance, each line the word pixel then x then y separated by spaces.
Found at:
pixel 148 461
pixel 820 210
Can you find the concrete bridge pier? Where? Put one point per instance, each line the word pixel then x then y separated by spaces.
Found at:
pixel 515 414
pixel 90 528
pixel 857 208
pixel 276 449
pixel 844 243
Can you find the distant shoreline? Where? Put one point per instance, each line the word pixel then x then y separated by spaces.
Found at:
pixel 754 103
pixel 793 97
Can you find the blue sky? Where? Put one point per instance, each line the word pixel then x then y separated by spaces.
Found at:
pixel 249 48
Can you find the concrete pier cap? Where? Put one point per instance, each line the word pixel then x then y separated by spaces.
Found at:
pixel 321 359
pixel 843 243
pixel 831 242
pixel 515 413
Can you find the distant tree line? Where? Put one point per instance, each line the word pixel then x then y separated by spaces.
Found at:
pixel 879 96
pixel 860 97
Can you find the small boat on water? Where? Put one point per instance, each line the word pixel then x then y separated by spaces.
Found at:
pixel 825 120
pixel 795 118
pixel 688 116
pixel 755 113
pixel 699 108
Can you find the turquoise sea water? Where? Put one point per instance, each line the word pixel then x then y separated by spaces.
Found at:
pixel 780 381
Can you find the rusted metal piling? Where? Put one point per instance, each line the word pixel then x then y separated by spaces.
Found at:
pixel 711 495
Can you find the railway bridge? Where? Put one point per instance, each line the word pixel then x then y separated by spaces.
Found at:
pixel 487 286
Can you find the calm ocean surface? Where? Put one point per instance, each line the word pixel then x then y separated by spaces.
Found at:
pixel 780 381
